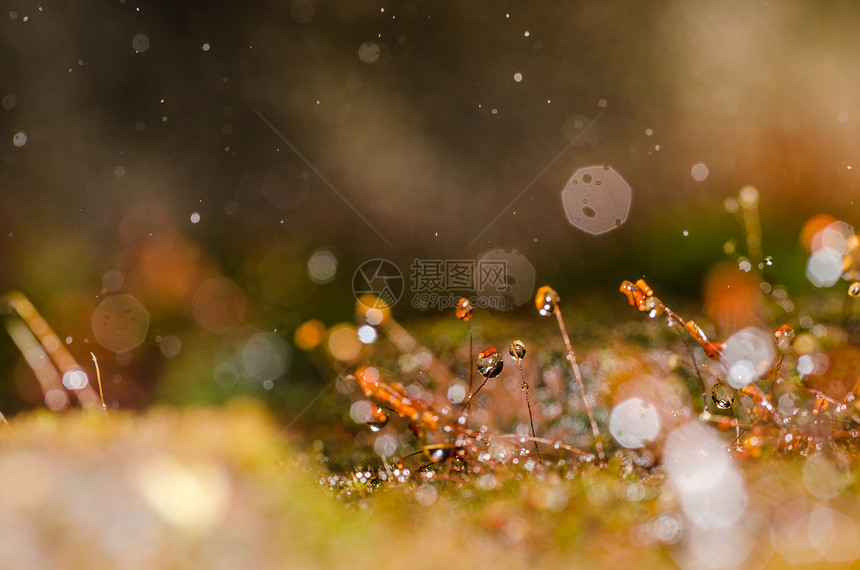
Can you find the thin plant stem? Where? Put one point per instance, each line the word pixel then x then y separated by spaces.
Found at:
pixel 99 380
pixel 469 400
pixel 571 358
pixel 529 406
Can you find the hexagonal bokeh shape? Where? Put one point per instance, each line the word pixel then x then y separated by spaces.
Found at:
pixel 505 276
pixel 120 323
pixel 596 199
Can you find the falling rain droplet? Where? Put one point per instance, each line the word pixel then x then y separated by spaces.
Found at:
pixel 723 396
pixel 463 309
pixel 546 300
pixel 518 350
pixel 490 363
pixel 854 289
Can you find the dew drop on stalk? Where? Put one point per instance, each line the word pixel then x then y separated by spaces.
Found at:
pixel 439 453
pixel 378 419
pixel 518 350
pixel 723 396
pixel 463 309
pixel 546 300
pixel 854 289
pixel 784 336
pixel 654 306
pixel 490 363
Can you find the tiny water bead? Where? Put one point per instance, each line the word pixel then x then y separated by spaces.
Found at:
pixel 654 307
pixel 546 300
pixel 439 452
pixel 854 290
pixel 490 363
pixel 784 337
pixel 378 418
pixel 518 350
pixel 723 396
pixel 463 309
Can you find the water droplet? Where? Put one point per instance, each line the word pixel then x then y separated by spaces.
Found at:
pixel 518 350
pixel 854 289
pixel 784 336
pixel 439 452
pixel 19 139
pixel 768 261
pixel 378 419
pixel 490 363
pixel 546 300
pixel 654 306
pixel 723 396
pixel 463 309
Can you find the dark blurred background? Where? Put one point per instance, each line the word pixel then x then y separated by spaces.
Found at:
pixel 196 155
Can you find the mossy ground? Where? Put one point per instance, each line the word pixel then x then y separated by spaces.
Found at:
pixel 228 487
pixel 223 488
